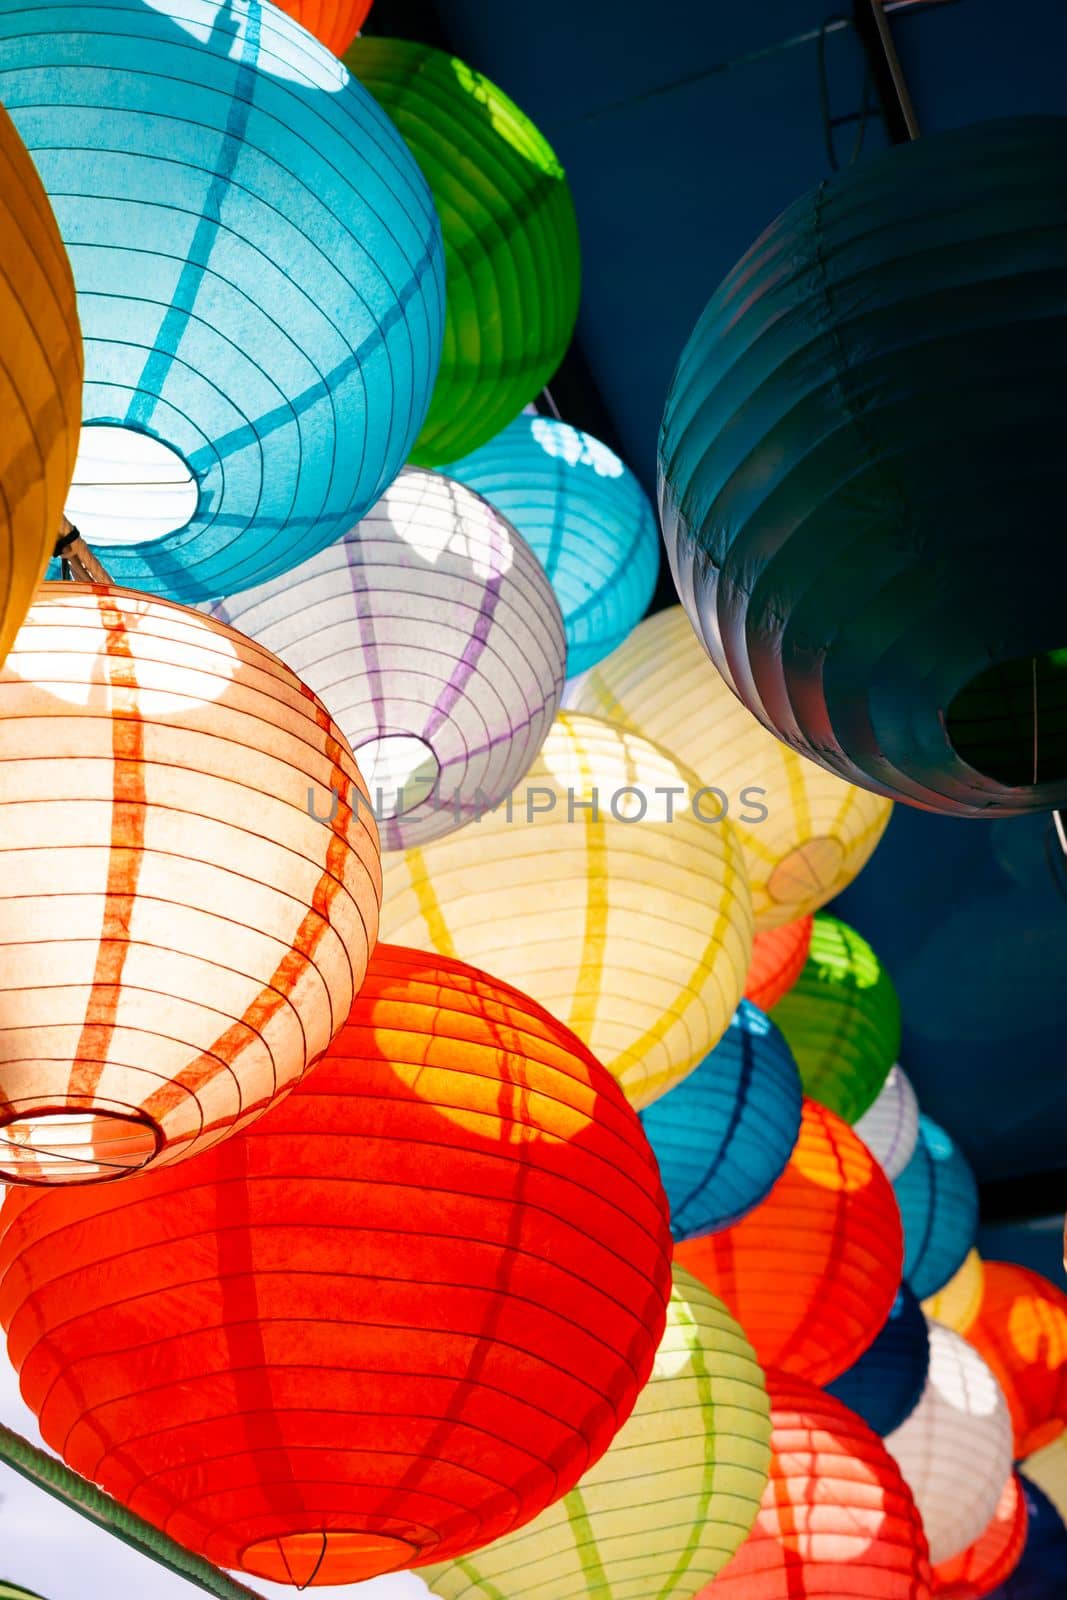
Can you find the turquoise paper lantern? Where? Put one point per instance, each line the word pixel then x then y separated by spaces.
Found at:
pixel 723 1135
pixel 587 519
pixel 885 1385
pixel 938 1199
pixel 260 280
pixel 1040 1573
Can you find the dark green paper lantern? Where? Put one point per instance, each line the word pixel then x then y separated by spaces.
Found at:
pixel 841 1019
pixel 863 473
pixel 512 259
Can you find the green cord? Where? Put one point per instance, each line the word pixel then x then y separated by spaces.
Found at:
pixel 49 1474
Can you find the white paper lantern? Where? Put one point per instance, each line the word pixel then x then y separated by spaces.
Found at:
pixel 891 1126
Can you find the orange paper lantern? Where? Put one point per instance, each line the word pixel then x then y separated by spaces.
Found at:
pixel 837 1519
pixel 393 1320
pixel 335 22
pixel 778 957
pixel 993 1556
pixel 1021 1330
pixel 811 1274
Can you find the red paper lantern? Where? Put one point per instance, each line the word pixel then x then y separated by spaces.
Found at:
pixel 993 1556
pixel 392 1321
pixel 1021 1330
pixel 335 22
pixel 837 1519
pixel 778 957
pixel 811 1274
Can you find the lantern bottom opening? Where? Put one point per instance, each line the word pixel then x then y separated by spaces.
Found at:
pixel 42 1144
pixel 811 869
pixel 338 1556
pixel 400 771
pixel 1010 722
pixel 129 487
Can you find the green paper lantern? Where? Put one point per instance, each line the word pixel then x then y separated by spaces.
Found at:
pixel 512 259
pixel 11 1591
pixel 841 1020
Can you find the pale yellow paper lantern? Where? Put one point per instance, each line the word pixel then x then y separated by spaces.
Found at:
pixel 805 832
pixel 1048 1469
pixel 181 936
pixel 678 1490
pixel 957 1305
pixel 632 922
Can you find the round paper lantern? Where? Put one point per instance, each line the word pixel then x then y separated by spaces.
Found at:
pixel 841 1019
pixel 869 400
pixel 724 1134
pixel 269 335
pixel 884 1386
pixel 891 1127
pixel 181 937
pixel 778 957
pixel 40 380
pixel 958 1303
pixel 938 1199
pixel 673 1497
pixel 602 888
pixel 993 1556
pixel 433 636
pixel 394 1319
pixel 1039 1575
pixel 837 1519
pixel 512 256
pixel 955 1448
pixel 1021 1330
pixel 805 833
pixel 12 1591
pixel 335 22
pixel 587 519
pixel 811 1274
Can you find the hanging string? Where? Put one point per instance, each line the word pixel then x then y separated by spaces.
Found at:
pixel 1033 669
pixel 546 396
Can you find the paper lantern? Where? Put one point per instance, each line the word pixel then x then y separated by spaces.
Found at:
pixel 993 1556
pixel 394 1319
pixel 335 22
pixel 841 1019
pixel 433 636
pixel 723 1135
pixel 512 255
pixel 181 938
pixel 869 401
pixel 587 519
pixel 12 1591
pixel 1039 1575
pixel 891 1127
pixel 938 1199
pixel 805 833
pixel 40 380
pixel 955 1448
pixel 1021 1331
pixel 602 889
pixel 778 957
pixel 885 1385
pixel 958 1303
pixel 673 1497
pixel 268 337
pixel 1047 1468
pixel 811 1274
pixel 837 1519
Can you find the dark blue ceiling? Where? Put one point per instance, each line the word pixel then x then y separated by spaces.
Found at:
pixel 685 127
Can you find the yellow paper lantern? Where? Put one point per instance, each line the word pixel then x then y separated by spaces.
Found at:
pixel 805 832
pixel 956 1305
pixel 1048 1469
pixel 40 380
pixel 678 1490
pixel 604 889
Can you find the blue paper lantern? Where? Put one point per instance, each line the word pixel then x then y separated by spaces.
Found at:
pixel 884 1386
pixel 259 270
pixel 1042 1572
pixel 586 517
pixel 938 1199
pixel 723 1135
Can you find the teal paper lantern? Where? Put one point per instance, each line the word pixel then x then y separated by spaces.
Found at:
pixel 587 519
pixel 260 281
pixel 885 1385
pixel 863 475
pixel 723 1135
pixel 938 1199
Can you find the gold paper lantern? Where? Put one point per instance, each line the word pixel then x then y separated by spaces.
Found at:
pixel 181 936
pixel 805 832
pixel 956 1305
pixel 40 380
pixel 603 888
pixel 675 1494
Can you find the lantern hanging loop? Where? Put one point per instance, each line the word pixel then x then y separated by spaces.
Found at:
pixel 79 562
